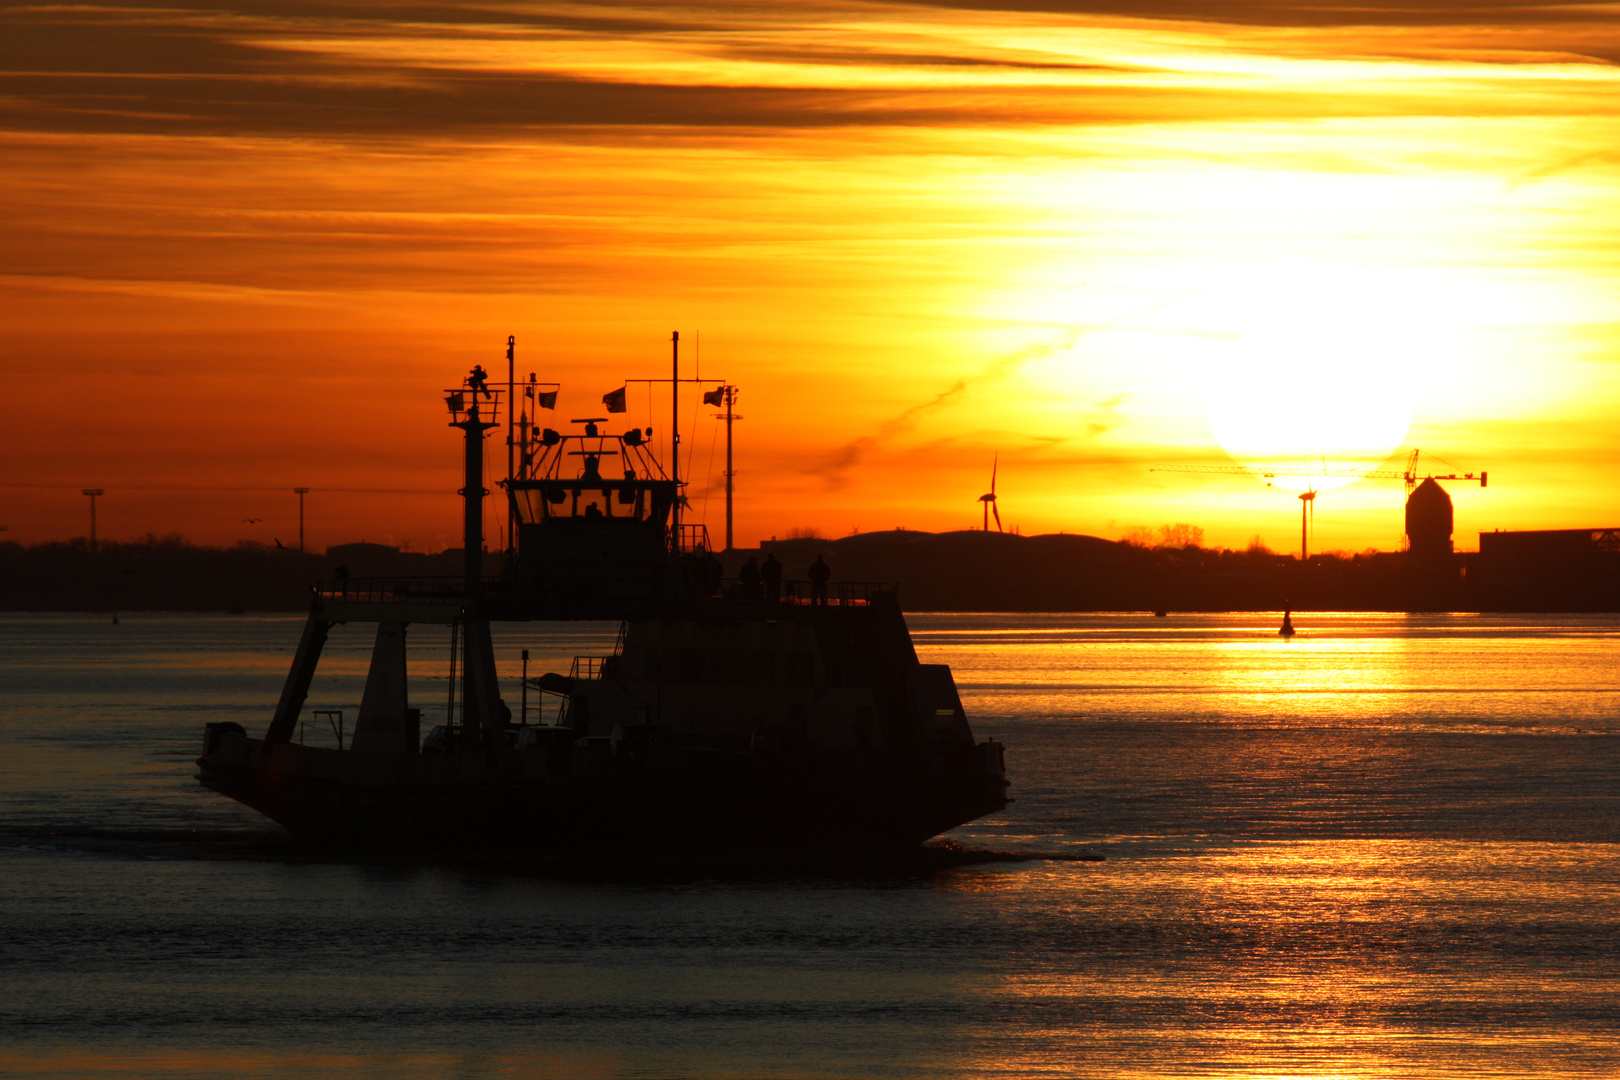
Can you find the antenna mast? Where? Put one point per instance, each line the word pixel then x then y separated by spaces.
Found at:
pixel 511 400
pixel 675 381
pixel 675 434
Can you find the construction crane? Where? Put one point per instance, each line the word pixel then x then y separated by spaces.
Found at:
pixel 1271 472
pixel 1409 476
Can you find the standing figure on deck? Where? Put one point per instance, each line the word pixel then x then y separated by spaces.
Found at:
pixel 772 573
pixel 749 575
pixel 476 381
pixel 818 573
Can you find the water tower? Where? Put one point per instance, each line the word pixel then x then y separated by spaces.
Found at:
pixel 1428 522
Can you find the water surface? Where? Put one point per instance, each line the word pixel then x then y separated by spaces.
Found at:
pixel 1386 848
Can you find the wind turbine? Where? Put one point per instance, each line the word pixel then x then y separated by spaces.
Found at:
pixel 990 499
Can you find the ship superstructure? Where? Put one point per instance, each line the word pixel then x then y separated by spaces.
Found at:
pixel 726 715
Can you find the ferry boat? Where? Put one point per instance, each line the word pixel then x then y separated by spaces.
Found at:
pixel 727 718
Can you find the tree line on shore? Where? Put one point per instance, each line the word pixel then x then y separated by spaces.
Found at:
pixel 957 571
pixel 169 574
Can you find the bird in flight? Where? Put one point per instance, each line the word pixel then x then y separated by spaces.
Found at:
pixel 253 521
pixel 279 544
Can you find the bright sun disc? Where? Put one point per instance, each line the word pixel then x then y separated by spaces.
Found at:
pixel 1312 394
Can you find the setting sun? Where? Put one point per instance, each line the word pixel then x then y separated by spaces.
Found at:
pixel 1322 374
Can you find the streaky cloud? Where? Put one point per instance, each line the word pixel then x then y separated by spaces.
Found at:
pixel 1311 14
pixel 835 466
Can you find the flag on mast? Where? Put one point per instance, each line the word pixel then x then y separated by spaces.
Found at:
pixel 615 400
pixel 715 397
pixel 547 399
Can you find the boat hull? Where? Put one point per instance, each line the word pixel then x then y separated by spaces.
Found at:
pixel 517 800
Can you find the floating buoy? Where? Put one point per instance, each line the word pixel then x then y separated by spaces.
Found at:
pixel 1287 629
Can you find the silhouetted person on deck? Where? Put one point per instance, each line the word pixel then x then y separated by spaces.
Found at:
pixel 476 380
pixel 749 575
pixel 818 574
pixel 772 573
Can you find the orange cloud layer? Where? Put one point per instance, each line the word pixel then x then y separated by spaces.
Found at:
pixel 247 243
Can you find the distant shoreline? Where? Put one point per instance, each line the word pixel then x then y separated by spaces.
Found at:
pixel 962 572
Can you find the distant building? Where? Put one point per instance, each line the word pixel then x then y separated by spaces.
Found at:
pixel 1549 570
pixel 1544 552
pixel 385 560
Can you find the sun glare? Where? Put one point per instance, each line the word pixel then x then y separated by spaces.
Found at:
pixel 1312 390
pixel 1324 365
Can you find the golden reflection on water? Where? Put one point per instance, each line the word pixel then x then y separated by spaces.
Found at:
pixel 1337 959
pixel 1361 669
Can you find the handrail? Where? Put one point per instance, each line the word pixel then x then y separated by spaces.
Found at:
pixel 692 540
pixel 800 591
pixel 448 592
pixel 589 668
pixel 445 591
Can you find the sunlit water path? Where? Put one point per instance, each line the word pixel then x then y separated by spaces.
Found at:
pixel 1388 847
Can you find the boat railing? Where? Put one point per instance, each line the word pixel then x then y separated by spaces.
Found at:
pixel 692 540
pixel 841 593
pixel 802 592
pixel 589 668
pixel 448 591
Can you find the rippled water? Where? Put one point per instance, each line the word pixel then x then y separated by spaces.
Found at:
pixel 1388 847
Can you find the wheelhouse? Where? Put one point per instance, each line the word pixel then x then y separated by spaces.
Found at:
pixel 592 513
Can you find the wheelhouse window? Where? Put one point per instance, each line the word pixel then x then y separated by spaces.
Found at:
pixel 617 500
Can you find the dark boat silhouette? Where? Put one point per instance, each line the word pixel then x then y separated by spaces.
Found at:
pixel 724 719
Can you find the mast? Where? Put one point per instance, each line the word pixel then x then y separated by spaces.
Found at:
pixel 472 493
pixel 482 712
pixel 730 390
pixel 675 435
pixel 511 400
pixel 675 381
pixel 729 399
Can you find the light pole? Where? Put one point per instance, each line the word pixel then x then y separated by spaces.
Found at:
pixel 301 492
pixel 93 492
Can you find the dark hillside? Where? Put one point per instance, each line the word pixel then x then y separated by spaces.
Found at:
pixel 956 571
pixel 978 571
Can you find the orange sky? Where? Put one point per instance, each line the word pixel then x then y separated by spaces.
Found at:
pixel 246 243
